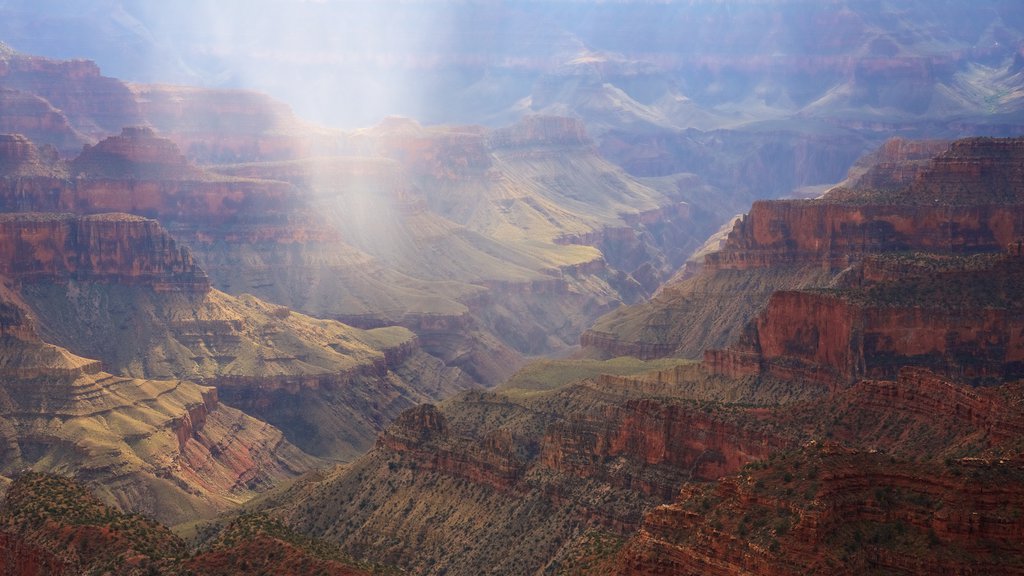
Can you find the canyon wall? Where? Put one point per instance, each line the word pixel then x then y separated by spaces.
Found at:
pixel 110 248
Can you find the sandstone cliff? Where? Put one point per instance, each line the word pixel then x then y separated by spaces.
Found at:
pixel 840 511
pixel 965 200
pixel 105 248
pixel 164 447
pixel 94 105
pixel 957 316
pixel 118 288
pixel 515 481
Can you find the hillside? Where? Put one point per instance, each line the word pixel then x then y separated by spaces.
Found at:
pixel 852 400
pixel 962 201
pixel 52 525
pixel 117 288
pixel 490 244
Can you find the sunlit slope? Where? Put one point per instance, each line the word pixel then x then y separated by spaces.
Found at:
pixel 118 288
pixel 931 197
pixel 164 447
pixel 329 386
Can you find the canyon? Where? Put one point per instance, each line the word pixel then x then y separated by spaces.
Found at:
pixel 234 341
pixel 862 422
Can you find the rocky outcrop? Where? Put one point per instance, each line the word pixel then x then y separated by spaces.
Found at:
pixel 18 156
pixel 37 119
pixel 657 446
pixel 967 200
pixel 542 131
pixel 93 104
pixel 896 164
pixel 985 417
pixel 448 155
pixel 218 126
pixel 106 248
pixel 136 153
pixel 964 322
pixel 848 511
pixel 836 235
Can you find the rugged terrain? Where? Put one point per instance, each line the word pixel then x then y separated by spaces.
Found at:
pixel 835 386
pixel 849 400
pixel 168 448
pixel 119 289
pixel 51 525
pixel 965 200
pixel 489 244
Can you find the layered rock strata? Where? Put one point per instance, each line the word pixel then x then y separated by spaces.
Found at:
pixel 966 200
pixel 118 288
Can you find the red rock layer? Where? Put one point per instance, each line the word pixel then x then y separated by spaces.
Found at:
pixel 685 442
pixel 860 511
pixel 964 323
pixel 836 235
pixel 967 199
pixel 94 104
pixel 21 558
pixel 36 118
pixel 227 126
pixel 422 433
pixel 135 153
pixel 896 164
pixel 987 417
pixel 16 152
pixel 109 248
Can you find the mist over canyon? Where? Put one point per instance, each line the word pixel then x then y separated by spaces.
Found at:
pixel 438 287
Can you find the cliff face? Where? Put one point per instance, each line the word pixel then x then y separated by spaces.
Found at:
pixel 965 200
pixel 117 288
pixel 140 173
pixel 94 104
pixel 659 446
pixel 958 316
pixel 550 466
pixel 18 156
pixel 106 248
pixel 835 235
pixel 135 153
pixel 37 119
pixel 228 126
pixel 162 447
pixel 851 511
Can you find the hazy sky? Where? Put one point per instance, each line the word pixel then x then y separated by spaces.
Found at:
pixel 350 62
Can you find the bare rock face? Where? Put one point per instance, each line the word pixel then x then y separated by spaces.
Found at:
pixel 36 118
pixel 136 153
pixel 167 448
pixel 228 126
pixel 557 131
pixel 111 248
pixel 93 104
pixel 849 509
pixel 17 154
pixel 895 164
pixel 673 443
pixel 957 316
pixel 117 287
pixel 966 200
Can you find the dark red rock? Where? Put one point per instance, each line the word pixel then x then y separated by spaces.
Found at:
pixel 107 248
